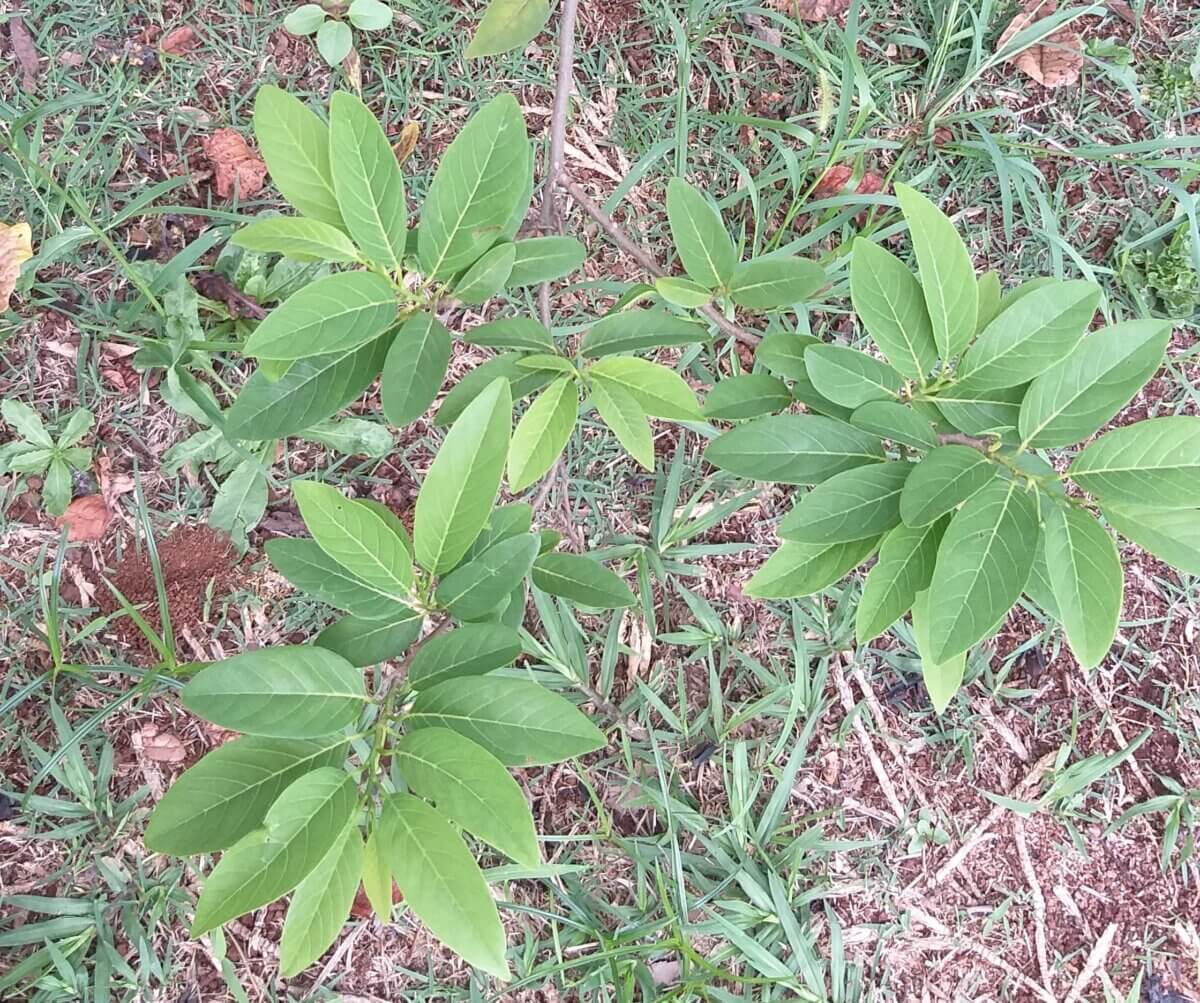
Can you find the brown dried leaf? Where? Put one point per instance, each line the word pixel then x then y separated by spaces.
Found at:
pixel 236 165
pixel 1052 62
pixel 812 10
pixel 26 53
pixel 404 146
pixel 112 485
pixel 180 41
pixel 836 181
pixel 160 746
pixel 16 247
pixel 86 518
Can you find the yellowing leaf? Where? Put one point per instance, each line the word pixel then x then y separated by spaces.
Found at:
pixel 16 247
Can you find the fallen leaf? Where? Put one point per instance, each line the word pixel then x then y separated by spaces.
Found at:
pixel 71 60
pixel 1052 62
pixel 112 485
pixel 236 165
pixel 812 10
pixel 180 41
pixel 86 518
pixel 16 247
pixel 836 180
pixel 214 286
pixel 160 746
pixel 26 53
pixel 404 146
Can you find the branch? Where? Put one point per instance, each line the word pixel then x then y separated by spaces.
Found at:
pixel 401 671
pixel 962 439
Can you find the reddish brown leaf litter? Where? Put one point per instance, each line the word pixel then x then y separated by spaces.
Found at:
pixel 181 41
pixel 1052 62
pixel 812 10
pixel 87 518
pixel 25 52
pixel 235 165
pixel 837 181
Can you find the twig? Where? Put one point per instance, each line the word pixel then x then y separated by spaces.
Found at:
pixel 1039 904
pixel 962 439
pixel 885 782
pixel 1094 960
pixel 890 743
pixel 401 670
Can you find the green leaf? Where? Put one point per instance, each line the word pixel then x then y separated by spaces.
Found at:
pixel 542 434
pixel 905 568
pixel 29 461
pixel 793 449
pixel 849 377
pixel 581 580
pixel 990 293
pixel 353 437
pixel 310 391
pixel 517 721
pixel 522 333
pixel 947 275
pixel 803 569
pixel 472 787
pixel 1038 588
pixel 775 283
pixel 356 537
pixel 289 691
pixel 369 642
pixel 982 566
pixel 227 794
pixel 1172 535
pixel 942 679
pixel 26 421
pixel 522 383
pixel 888 300
pixel 699 235
pixel 508 24
pixel 310 569
pixel 239 503
pixel 333 314
pixel 682 292
pixel 855 504
pixel 299 829
pixel 297 238
pixel 782 353
pixel 504 522
pixel 1073 399
pixel 321 904
pixel 56 490
pixel 621 412
pixel 1028 338
pixel 638 330
pixel 369 15
pixel 1086 578
pixel 747 396
pixel 544 259
pixel 659 391
pixel 488 276
pixel 305 19
pixel 473 590
pixel 78 425
pixel 414 369
pixel 460 488
pixel 892 420
pixel 334 41
pixel 478 186
pixel 1157 461
pixel 377 876
pixel 469 650
pixel 367 181
pixel 442 883
pixel 982 412
pixel 945 478
pixel 295 144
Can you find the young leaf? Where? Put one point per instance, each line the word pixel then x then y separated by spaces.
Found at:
pixel 334 41
pixel 659 391
pixel 621 412
pixel 581 580
pixel 26 421
pixel 782 353
pixel 699 235
pixel 473 590
pixel 522 333
pixel 333 314
pixel 356 537
pixel 793 449
pixel 297 238
pixel 311 570
pixel 945 478
pixel 522 383
pixel 506 25
pixel 1155 461
pixel 1073 399
pixel 488 276
pixel 227 794
pixel 892 420
pixel 1028 338
pixel 289 691
pixel 461 485
pixel 518 722
pixel 414 368
pixel 504 522
pixel 470 650
pixel 544 259
pixel 377 875
pixel 747 396
pixel 369 642
pixel 472 787
pixel 888 300
pixel 321 904
pixel 947 274
pixel 942 679
pixel 477 188
pixel 849 377
pixel 305 19
pixel 775 283
pixel 855 504
pixel 299 829
pixel 682 292
pixel 542 433
pixel 1086 577
pixel 904 568
pixel 981 412
pixel 803 569
pixel 442 883
pixel 1170 534
pixel 638 330
pixel 982 566
pixel 369 15
pixel 367 181
pixel 295 144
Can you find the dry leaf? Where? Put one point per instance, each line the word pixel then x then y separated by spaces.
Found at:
pixel 160 746
pixel 236 165
pixel 16 247
pixel 1052 62
pixel 112 485
pixel 836 180
pixel 71 60
pixel 812 10
pixel 404 146
pixel 86 518
pixel 180 41
pixel 26 53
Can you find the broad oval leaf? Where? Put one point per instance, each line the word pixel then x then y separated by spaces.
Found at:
pixel 522 383
pixel 305 19
pixel 311 570
pixel 581 580
pixel 682 292
pixel 334 314
pixel 506 25
pixel 334 41
pixel 888 300
pixel 227 794
pixel 849 377
pixel 904 569
pixel 295 144
pixel 638 330
pixel 321 904
pixel 699 236
pixel 1155 460
pixel 893 420
pixel 621 412
pixel 1170 534
pixel 942 679
pixel 290 691
pixel 474 589
pixel 471 786
pixel 504 521
pixel 946 477
pixel 542 433
pixel 1086 577
pixel 470 650
pixel 659 391
pixel 298 238
pixel 369 15
pixel 414 369
pixel 522 333
pixel 793 449
pixel 543 259
pixel 517 721
pixel 369 642
pixel 803 569
pixel 775 283
pixel 855 504
pixel 748 396
pixel 982 412
pixel 488 276
pixel 990 295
